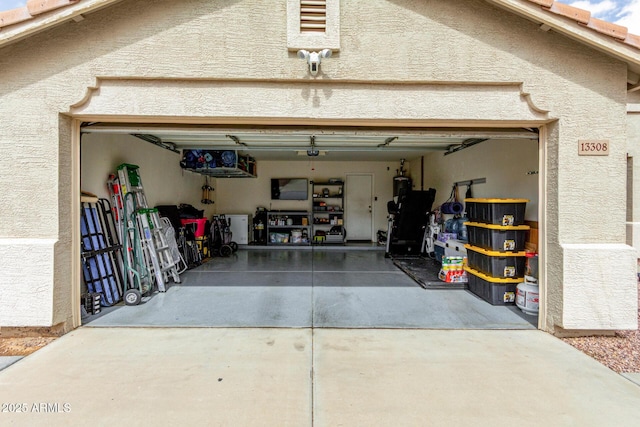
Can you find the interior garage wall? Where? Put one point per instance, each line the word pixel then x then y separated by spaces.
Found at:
pixel 165 183
pixel 504 164
pixel 242 196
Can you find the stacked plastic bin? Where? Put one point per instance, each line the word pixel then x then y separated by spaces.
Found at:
pixel 496 258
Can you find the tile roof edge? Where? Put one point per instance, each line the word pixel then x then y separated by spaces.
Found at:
pixel 14 16
pixel 607 28
pixel 583 17
pixel 36 7
pixel 74 10
pixel 32 9
pixel 632 40
pixel 580 15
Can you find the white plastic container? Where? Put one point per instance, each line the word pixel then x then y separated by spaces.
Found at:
pixel 296 236
pixel 528 298
pixel 454 247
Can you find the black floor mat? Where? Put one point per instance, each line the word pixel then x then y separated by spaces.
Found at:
pixel 425 272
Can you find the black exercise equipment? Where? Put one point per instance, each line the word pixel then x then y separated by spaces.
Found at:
pixel 408 219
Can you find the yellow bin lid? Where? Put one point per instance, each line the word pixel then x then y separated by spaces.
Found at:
pixel 497 200
pixel 497 227
pixel 493 253
pixel 491 279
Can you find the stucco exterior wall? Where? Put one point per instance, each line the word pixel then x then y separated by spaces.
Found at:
pixel 633 170
pixel 396 41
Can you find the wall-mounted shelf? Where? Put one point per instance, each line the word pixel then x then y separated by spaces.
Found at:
pixel 223 172
pixel 219 163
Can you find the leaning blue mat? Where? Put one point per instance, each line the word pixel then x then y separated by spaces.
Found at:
pixel 97 266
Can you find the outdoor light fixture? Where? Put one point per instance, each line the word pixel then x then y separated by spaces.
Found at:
pixel 314 59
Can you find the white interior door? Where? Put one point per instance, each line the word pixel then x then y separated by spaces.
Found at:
pixel 359 207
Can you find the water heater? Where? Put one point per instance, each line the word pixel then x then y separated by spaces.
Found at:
pixel 401 183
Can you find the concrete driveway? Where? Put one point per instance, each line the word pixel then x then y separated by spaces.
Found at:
pixel 313 377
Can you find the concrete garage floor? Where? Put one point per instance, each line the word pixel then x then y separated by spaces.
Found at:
pixel 321 288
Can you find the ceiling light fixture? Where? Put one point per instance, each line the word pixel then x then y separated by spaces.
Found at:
pixel 313 152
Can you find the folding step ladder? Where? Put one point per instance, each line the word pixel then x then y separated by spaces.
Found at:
pixel 137 280
pixel 128 234
pixel 128 194
pixel 170 237
pixel 155 248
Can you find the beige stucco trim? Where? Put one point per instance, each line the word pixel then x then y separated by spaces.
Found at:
pixel 331 101
pixel 542 231
pixel 75 215
pixel 301 121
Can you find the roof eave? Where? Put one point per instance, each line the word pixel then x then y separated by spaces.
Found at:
pixel 51 19
pixel 572 29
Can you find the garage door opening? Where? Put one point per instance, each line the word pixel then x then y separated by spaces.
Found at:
pixel 287 272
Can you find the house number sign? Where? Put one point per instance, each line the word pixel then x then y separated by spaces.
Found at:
pixel 593 147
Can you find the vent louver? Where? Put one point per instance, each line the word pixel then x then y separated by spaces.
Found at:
pixel 313 16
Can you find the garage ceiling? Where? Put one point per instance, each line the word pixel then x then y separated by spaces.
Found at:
pixel 301 143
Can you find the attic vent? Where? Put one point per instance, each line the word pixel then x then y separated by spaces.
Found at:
pixel 313 16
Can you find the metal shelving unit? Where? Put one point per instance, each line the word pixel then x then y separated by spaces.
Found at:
pixel 328 212
pixel 290 228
